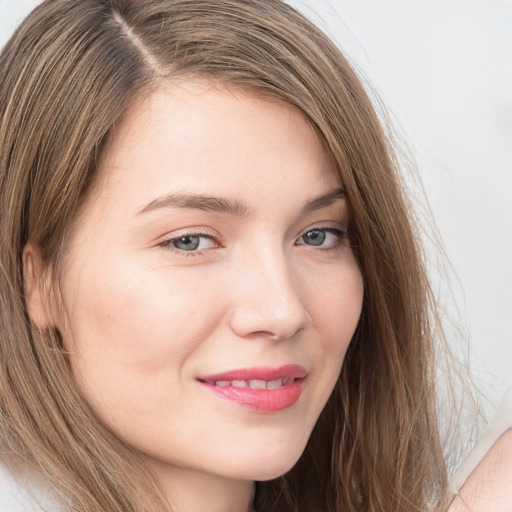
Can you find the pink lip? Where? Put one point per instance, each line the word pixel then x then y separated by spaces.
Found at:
pixel 263 400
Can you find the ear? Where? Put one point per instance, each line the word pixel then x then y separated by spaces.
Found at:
pixel 36 292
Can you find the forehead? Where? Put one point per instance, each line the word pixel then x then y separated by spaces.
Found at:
pixel 206 137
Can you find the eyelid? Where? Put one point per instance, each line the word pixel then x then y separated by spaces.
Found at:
pixel 328 226
pixel 191 231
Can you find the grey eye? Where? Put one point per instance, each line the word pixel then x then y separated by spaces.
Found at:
pixel 322 237
pixel 187 243
pixel 314 237
pixel 191 243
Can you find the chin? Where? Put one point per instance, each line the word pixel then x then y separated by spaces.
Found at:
pixel 271 473
pixel 269 464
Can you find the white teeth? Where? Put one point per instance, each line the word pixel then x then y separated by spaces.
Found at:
pixel 240 383
pixel 274 384
pixel 257 384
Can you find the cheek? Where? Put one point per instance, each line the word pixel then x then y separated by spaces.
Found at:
pixel 131 325
pixel 336 306
pixel 341 311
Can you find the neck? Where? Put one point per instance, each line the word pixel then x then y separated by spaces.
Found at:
pixel 193 491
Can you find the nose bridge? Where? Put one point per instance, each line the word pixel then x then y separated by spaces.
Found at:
pixel 269 300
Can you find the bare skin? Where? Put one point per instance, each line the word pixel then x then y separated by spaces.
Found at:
pixel 489 487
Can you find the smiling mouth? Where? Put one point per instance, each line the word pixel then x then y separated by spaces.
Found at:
pixel 262 389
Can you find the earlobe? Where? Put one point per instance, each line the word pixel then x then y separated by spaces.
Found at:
pixel 36 294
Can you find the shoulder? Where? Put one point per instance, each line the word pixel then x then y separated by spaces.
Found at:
pixel 489 487
pixel 484 481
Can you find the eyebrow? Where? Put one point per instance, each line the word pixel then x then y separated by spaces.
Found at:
pixel 325 200
pixel 230 207
pixel 198 202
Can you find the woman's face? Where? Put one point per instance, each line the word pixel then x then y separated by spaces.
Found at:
pixel 209 288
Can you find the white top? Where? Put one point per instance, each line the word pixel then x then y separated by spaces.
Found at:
pixel 501 422
pixel 22 492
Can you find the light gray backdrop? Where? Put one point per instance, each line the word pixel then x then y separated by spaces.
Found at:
pixel 444 70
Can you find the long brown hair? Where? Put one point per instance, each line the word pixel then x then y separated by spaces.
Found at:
pixel 68 75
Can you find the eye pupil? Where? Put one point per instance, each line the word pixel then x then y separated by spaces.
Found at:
pixel 187 243
pixel 315 237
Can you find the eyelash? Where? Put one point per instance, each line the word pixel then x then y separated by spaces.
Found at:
pixel 341 238
pixel 341 235
pixel 204 234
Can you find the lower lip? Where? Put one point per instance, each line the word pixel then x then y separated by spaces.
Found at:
pixel 262 400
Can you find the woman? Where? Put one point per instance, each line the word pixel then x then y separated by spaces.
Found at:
pixel 210 273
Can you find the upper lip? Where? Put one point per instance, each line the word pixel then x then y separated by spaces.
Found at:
pixel 267 373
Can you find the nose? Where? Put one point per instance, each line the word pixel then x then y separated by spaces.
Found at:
pixel 268 301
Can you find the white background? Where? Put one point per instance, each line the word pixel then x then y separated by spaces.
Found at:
pixel 443 68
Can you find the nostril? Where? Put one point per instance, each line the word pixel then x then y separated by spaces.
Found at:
pixel 270 324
